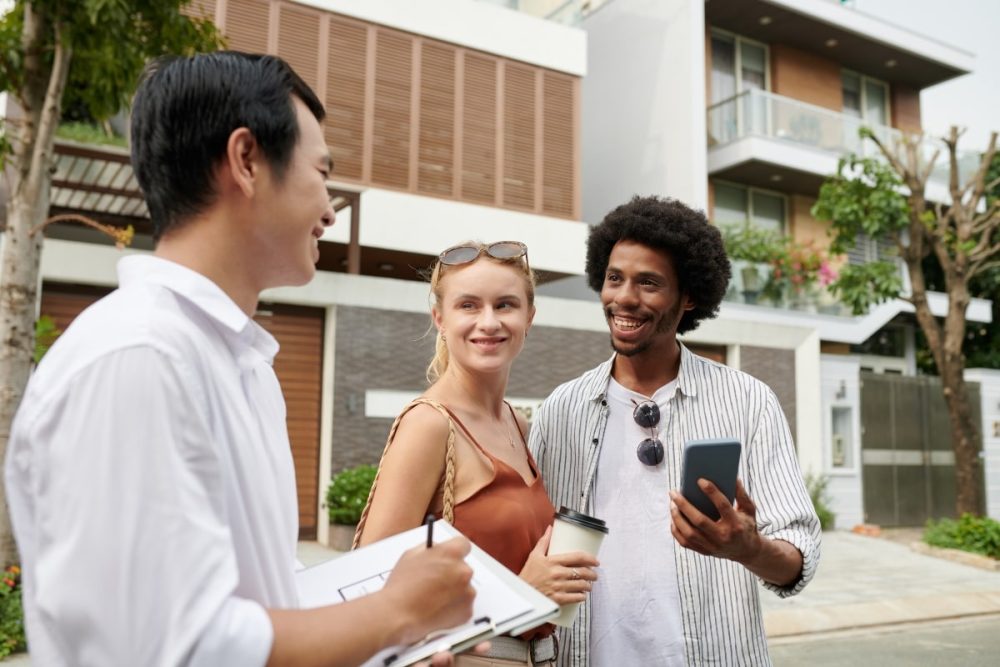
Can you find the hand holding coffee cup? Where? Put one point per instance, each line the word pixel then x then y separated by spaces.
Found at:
pixel 574 532
pixel 564 578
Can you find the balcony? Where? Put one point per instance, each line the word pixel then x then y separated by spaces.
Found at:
pixel 763 139
pixel 566 12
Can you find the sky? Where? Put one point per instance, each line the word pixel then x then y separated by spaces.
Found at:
pixel 973 100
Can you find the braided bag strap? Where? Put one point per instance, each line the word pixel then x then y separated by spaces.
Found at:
pixel 449 467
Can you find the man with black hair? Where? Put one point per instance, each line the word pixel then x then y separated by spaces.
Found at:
pixel 149 472
pixel 660 269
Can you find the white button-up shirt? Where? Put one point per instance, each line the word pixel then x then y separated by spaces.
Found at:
pixel 151 483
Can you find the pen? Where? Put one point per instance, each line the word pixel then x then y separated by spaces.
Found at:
pixel 430 530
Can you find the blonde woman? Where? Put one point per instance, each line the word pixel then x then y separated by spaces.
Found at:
pixel 486 483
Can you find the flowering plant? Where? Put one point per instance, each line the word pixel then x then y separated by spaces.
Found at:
pixel 11 613
pixel 794 267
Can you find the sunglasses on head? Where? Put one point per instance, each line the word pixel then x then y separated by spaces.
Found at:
pixel 469 252
pixel 650 450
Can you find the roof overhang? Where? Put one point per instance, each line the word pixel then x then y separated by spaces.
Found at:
pixel 862 42
pixel 854 330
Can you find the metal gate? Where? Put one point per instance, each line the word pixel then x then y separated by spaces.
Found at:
pixel 908 464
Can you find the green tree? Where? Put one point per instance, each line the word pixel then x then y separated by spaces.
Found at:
pixel 886 199
pixel 51 51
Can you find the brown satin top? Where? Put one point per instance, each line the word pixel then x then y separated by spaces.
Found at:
pixel 507 517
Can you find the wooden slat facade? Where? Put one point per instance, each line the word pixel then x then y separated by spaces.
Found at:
pixel 415 114
pixel 298 366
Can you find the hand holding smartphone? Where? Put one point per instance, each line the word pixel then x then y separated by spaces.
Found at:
pixel 716 460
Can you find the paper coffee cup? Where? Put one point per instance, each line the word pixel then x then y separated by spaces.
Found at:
pixel 573 531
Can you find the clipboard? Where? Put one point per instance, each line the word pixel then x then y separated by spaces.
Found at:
pixel 505 603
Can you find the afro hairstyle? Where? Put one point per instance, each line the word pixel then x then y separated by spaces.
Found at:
pixel 693 244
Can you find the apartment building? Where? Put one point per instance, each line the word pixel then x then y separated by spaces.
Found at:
pixel 744 107
pixel 451 120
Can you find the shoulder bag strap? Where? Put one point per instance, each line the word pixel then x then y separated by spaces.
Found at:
pixel 448 492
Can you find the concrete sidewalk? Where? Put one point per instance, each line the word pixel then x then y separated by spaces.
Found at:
pixel 862 582
pixel 867 582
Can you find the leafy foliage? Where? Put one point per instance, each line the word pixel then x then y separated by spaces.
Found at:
pixel 976 534
pixel 45 334
pixel 816 486
pixel 105 62
pixel 863 198
pixel 860 286
pixel 12 638
pixel 793 268
pixel 348 492
pixel 87 133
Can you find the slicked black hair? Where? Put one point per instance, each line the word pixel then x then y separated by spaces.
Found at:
pixel 184 111
pixel 692 243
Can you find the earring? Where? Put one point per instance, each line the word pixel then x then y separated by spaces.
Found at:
pixel 443 336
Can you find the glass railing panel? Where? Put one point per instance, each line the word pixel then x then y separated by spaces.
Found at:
pixel 762 114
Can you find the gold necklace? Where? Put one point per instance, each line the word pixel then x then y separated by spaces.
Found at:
pixel 510 438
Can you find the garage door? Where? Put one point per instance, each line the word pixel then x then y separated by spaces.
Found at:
pixel 298 366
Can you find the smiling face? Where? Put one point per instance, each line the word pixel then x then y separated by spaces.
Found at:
pixel 484 310
pixel 642 300
pixel 292 212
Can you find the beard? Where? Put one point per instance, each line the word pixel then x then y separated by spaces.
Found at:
pixel 663 326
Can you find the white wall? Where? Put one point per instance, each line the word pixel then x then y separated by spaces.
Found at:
pixel 989 388
pixel 415 223
pixel 644 104
pixel 841 387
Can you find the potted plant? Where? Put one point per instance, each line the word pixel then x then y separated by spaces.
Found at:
pixel 792 268
pixel 345 500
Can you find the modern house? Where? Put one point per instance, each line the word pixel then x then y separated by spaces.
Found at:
pixel 744 107
pixel 451 120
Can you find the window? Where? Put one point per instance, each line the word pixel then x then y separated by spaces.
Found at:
pixel 737 204
pixel 738 65
pixel 865 98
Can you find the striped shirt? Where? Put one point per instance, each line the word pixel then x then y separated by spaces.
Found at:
pixel 720 604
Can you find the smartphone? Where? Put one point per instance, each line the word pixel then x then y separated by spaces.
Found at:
pixel 716 460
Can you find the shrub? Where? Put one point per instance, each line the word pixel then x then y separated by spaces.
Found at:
pixel 46 333
pixel 977 534
pixel 348 492
pixel 816 485
pixel 11 613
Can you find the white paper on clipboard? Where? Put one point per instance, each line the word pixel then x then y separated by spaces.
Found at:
pixel 505 604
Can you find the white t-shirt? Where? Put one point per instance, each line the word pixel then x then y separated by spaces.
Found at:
pixel 151 482
pixel 635 605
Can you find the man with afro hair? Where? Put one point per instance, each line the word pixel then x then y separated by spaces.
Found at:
pixel 676 588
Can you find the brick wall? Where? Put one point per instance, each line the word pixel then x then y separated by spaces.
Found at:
pixel 380 349
pixel 806 76
pixel 905 107
pixel 776 368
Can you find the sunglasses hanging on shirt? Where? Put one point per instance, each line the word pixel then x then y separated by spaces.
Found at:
pixel 650 450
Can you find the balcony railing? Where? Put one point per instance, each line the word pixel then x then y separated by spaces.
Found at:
pixel 567 12
pixel 758 113
pixel 750 285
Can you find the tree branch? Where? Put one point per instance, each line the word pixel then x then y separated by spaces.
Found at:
pixel 49 119
pixel 980 267
pixel 984 166
pixel 890 156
